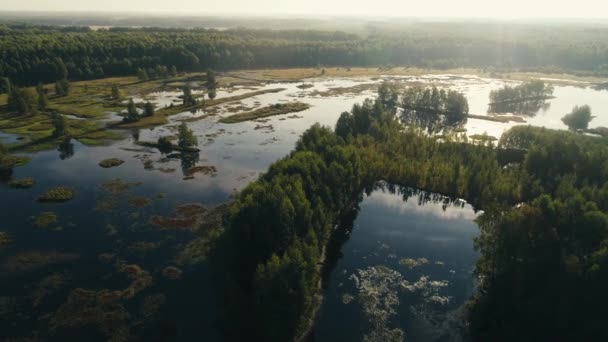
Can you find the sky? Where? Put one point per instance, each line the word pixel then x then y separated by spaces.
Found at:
pixel 392 8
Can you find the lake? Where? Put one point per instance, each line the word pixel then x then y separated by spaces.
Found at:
pixel 407 265
pixel 106 241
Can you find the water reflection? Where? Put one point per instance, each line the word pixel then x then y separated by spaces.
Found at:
pixel 528 108
pixel 399 271
pixel 66 149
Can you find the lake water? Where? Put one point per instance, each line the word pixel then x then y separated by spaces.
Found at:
pixel 407 264
pixel 104 229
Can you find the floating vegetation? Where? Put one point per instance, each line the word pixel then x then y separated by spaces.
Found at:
pixel 166 169
pixel 118 186
pixel 267 127
pixel 203 169
pixel 411 263
pixel 93 309
pixel 48 286
pixel 151 305
pixel 58 194
pixel 275 109
pixel 142 248
pixel 378 288
pixel 172 273
pixel 112 162
pixel 29 261
pixel 305 85
pixel 24 183
pixel 4 239
pixel 45 219
pixel 139 202
pixel 347 298
pixel 428 289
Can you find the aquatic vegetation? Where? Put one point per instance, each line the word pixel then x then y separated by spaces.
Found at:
pixel 203 169
pixel 143 247
pixel 151 305
pixel 4 239
pixel 347 298
pixel 112 162
pixel 118 186
pixel 188 216
pixel 24 183
pixel 139 202
pixel 275 109
pixel 172 272
pixel 58 194
pixel 411 263
pixel 378 288
pixel 45 219
pixel 93 309
pixel 48 286
pixel 30 261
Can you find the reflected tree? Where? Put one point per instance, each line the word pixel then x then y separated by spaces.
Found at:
pixel 66 149
pixel 188 161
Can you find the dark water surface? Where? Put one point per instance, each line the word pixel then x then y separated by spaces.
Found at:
pixel 406 265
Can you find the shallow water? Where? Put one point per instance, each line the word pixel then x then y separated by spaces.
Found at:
pixel 421 253
pixel 240 152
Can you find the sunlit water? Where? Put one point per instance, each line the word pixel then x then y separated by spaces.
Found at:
pixel 240 152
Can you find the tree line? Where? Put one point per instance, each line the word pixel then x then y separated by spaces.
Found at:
pixel 31 54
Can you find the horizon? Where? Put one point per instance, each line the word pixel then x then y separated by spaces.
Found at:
pixel 392 9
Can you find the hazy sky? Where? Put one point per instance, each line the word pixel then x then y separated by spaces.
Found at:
pixel 443 8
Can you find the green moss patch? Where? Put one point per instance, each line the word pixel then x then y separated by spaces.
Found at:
pixel 58 194
pixel 112 162
pixel 24 183
pixel 45 219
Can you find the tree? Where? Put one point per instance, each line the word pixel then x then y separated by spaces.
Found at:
pixel 188 98
pixel 148 109
pixel 211 81
pixel 345 125
pixel 132 114
pixel 42 99
pixel 23 100
pixel 173 71
pixel 116 94
pixel 185 136
pixel 579 118
pixel 62 87
pixel 142 75
pixel 59 125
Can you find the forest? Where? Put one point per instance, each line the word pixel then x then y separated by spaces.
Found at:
pixel 31 54
pixel 544 231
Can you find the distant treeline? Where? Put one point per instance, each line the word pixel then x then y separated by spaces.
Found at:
pixel 32 54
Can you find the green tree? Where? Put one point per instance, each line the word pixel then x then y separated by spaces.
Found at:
pixel 23 100
pixel 42 98
pixel 148 109
pixel 211 81
pixel 132 114
pixel 62 87
pixel 59 124
pixel 142 75
pixel 579 118
pixel 186 137
pixel 116 93
pixel 188 99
